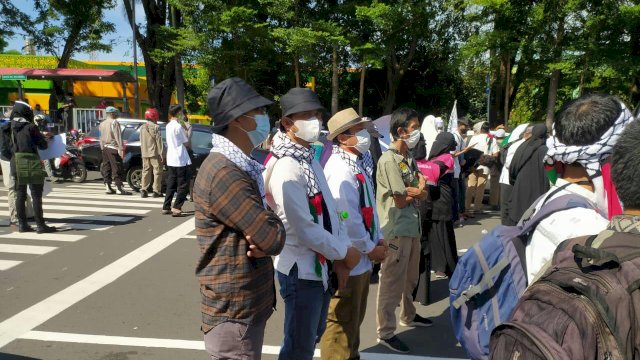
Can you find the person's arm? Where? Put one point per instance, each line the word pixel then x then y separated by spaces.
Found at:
pixel 180 135
pixel 345 190
pixel 289 190
pixel 116 132
pixel 233 200
pixel 38 139
pixel 393 175
pixel 159 144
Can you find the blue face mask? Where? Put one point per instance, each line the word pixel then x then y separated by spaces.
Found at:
pixel 261 132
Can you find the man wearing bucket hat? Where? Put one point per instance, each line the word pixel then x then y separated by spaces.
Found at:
pixel 112 151
pixel 237 234
pixel 352 187
pixel 298 192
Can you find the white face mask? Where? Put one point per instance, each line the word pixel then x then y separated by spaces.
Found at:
pixel 308 130
pixel 364 141
pixel 413 139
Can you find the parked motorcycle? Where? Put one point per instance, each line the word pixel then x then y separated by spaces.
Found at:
pixel 70 165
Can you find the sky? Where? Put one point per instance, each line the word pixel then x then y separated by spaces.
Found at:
pixel 122 49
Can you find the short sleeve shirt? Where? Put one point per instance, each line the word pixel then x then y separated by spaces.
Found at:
pixel 396 173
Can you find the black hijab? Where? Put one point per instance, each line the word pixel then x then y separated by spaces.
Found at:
pixel 21 110
pixel 445 142
pixel 527 149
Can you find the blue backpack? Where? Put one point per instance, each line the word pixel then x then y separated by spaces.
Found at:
pixel 490 278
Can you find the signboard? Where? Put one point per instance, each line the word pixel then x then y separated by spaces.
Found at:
pixel 14 77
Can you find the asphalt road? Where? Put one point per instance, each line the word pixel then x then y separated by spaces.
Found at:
pixel 118 284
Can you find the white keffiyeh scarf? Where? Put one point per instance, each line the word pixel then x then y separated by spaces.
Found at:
pixel 592 157
pixel 223 146
pixel 283 146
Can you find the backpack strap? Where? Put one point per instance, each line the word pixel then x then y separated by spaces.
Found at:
pixel 486 283
pixel 564 202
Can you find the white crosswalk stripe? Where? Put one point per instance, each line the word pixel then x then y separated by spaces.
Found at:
pixel 82 207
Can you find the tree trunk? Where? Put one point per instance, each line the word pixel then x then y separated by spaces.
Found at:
pixel 334 80
pixel 551 100
pixel 555 76
pixel 175 22
pixel 363 68
pixel 507 88
pixel 296 69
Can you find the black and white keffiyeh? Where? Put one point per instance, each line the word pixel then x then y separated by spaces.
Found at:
pixel 358 167
pixel 283 146
pixel 590 156
pixel 223 146
pixel 367 162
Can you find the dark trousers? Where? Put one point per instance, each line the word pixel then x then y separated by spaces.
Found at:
pixel 36 198
pixel 505 198
pixel 177 183
pixel 111 166
pixel 455 188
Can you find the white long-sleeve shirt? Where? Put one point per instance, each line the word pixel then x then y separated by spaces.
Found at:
pixel 561 226
pixel 177 155
pixel 344 188
pixel 511 151
pixel 286 195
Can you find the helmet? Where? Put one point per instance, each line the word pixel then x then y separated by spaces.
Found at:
pixel 74 133
pixel 39 119
pixel 151 114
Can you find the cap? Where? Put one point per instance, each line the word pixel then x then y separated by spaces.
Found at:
pixel 232 98
pixel 500 134
pixel 111 109
pixel 342 121
pixel 299 100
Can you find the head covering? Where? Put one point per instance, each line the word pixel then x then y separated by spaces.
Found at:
pixel 527 149
pixel 429 131
pixel 593 157
pixel 477 126
pixel 500 134
pixel 299 100
pixel 111 109
pixel 21 110
pixel 444 143
pixel 343 121
pixel 230 99
pixel 516 134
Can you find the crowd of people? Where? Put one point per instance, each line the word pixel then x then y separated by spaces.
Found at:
pixel 328 209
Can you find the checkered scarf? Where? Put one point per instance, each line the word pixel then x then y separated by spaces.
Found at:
pixel 590 156
pixel 283 146
pixel 223 146
pixel 367 162
pixel 354 165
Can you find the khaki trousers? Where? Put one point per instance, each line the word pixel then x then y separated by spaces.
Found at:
pixel 347 308
pixel 149 165
pixel 399 275
pixel 10 183
pixel 475 190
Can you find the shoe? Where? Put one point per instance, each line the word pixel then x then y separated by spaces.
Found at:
pixel 394 344
pixel 418 321
pixel 143 194
pixel 166 212
pixel 157 195
pixel 109 189
pixel 44 229
pixel 24 228
pixel 122 191
pixel 440 275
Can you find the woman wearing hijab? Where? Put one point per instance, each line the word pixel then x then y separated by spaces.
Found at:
pixel 438 224
pixel 527 173
pixel 26 138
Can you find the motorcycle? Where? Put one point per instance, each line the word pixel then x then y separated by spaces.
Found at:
pixel 70 165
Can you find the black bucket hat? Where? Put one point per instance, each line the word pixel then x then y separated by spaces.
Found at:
pixel 230 99
pixel 298 100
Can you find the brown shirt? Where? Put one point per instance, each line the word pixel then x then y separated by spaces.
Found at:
pixel 229 206
pixel 150 140
pixel 110 134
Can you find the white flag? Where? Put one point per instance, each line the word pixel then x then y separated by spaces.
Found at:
pixel 453 118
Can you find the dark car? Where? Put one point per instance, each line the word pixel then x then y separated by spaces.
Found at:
pixel 90 144
pixel 200 144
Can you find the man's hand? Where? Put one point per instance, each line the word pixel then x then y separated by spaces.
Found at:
pixel 121 153
pixel 48 136
pixel 422 181
pixel 379 253
pixel 254 251
pixel 352 259
pixel 342 272
pixel 414 192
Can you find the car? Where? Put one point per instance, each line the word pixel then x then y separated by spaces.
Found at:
pixel 200 144
pixel 89 145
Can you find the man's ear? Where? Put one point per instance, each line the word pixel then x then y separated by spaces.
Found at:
pixel 286 123
pixel 400 131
